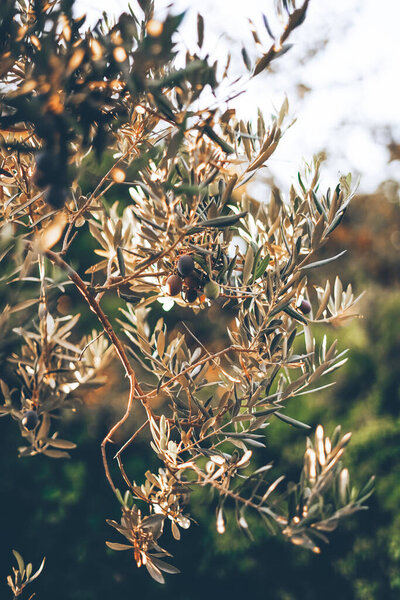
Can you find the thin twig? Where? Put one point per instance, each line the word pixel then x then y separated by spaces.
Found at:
pixel 203 360
pixel 141 428
pixel 89 343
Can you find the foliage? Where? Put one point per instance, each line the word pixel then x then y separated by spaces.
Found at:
pixel 115 91
pixel 22 576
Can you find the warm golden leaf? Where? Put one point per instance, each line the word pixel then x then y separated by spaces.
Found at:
pixel 53 232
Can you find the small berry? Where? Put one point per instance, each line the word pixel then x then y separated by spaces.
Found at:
pixel 185 265
pixel 304 307
pixel 174 285
pixel 190 295
pixel 30 419
pixel 211 290
pixel 56 196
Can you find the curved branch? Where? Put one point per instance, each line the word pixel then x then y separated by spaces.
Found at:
pixel 96 308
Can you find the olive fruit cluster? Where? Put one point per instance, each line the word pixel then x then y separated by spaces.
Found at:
pixel 50 174
pixel 187 282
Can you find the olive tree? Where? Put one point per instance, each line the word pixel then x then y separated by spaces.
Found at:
pixel 190 235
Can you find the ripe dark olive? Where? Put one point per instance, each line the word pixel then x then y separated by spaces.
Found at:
pixel 190 295
pixel 40 178
pixel 185 265
pixel 30 419
pixel 44 166
pixel 174 285
pixel 44 160
pixel 56 196
pixel 47 170
pixel 192 282
pixel 211 290
pixel 304 307
pixel 51 169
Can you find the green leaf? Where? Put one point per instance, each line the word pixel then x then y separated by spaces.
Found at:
pixel 219 222
pixel 154 572
pixel 335 222
pixel 248 264
pixel 119 497
pixel 189 190
pixel 200 30
pixel 163 566
pixel 301 183
pixel 117 546
pixel 64 444
pixel 56 453
pixel 20 560
pixel 291 421
pixel 294 314
pixel 367 490
pixel 261 267
pixel 40 569
pixel 215 138
pixel 177 76
pixel 325 261
pixel 121 262
pixel 267 411
pixel 246 58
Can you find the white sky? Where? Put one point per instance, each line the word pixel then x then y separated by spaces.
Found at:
pixel 353 76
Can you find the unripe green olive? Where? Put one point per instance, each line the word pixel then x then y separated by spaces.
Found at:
pixel 185 265
pixel 174 285
pixel 304 307
pixel 190 295
pixel 211 290
pixel 30 419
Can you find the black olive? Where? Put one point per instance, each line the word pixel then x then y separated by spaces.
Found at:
pixel 44 159
pixel 185 265
pixel 190 295
pixel 56 196
pixel 30 419
pixel 174 285
pixel 44 169
pixel 304 307
pixel 51 169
